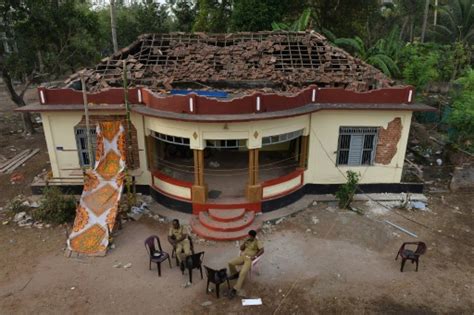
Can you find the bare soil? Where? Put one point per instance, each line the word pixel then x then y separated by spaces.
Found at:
pixel 320 260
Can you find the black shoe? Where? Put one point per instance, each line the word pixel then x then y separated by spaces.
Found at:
pixel 232 294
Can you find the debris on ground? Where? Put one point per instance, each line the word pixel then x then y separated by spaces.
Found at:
pixel 127 266
pixel 418 205
pixel 280 220
pixel 136 212
pixel 207 303
pixel 315 219
pixel 463 179
pixel 117 265
pixel 250 302
pixel 18 160
pixel 187 285
pixel 400 228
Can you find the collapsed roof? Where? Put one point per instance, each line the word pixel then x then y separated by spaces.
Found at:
pixel 283 61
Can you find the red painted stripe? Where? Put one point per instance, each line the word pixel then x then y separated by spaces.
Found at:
pixel 172 180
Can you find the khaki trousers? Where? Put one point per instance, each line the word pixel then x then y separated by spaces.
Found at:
pixel 183 249
pixel 243 261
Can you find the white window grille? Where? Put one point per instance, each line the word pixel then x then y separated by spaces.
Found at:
pixel 171 139
pixel 82 148
pixel 357 145
pixel 284 137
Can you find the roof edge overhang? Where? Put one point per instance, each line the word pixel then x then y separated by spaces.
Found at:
pixel 302 110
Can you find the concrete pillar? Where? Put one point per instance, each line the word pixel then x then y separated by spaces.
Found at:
pixel 254 189
pixel 199 189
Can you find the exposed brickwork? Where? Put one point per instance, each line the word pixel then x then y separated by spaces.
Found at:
pixel 388 141
pixel 133 160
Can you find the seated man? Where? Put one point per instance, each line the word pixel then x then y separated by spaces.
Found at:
pixel 179 239
pixel 251 249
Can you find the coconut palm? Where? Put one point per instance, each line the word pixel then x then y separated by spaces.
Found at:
pixel 456 22
pixel 377 55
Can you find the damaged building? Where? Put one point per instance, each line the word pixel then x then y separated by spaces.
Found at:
pixel 225 126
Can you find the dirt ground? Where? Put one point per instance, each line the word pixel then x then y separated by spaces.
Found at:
pixel 320 260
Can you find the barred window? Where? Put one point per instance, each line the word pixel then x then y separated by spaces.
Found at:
pixel 356 145
pixel 81 141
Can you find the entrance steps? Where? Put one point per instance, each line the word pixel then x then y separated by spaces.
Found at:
pixel 225 224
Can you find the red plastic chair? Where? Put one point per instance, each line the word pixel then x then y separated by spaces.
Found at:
pixel 409 254
pixel 156 255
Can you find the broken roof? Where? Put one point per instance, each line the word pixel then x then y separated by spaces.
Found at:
pixel 282 61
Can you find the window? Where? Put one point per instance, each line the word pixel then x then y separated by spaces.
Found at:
pixel 226 144
pixel 171 139
pixel 356 145
pixel 281 138
pixel 81 141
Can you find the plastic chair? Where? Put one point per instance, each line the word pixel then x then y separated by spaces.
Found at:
pixel 194 262
pixel 217 277
pixel 156 256
pixel 408 254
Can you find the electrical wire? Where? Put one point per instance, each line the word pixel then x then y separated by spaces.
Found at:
pixel 391 210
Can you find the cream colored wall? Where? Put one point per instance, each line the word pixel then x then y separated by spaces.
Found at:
pixel 273 190
pixel 59 132
pixel 323 142
pixel 173 190
pixel 322 127
pixel 253 131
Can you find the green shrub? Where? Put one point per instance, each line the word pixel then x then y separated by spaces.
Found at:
pixel 346 191
pixel 16 205
pixel 461 117
pixel 420 65
pixel 54 207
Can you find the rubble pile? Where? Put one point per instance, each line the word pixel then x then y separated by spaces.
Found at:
pixel 284 61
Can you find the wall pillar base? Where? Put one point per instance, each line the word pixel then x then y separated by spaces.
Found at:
pixel 199 193
pixel 254 193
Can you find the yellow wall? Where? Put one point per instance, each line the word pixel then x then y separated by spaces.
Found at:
pixel 173 190
pixel 273 190
pixel 59 132
pixel 322 127
pixel 253 131
pixel 323 141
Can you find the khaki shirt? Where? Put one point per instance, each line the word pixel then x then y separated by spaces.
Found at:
pixel 177 233
pixel 252 247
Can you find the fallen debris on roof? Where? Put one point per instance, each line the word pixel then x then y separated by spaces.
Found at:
pixel 279 60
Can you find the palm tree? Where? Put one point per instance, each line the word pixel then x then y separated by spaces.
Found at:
pixel 301 24
pixel 380 55
pixel 456 22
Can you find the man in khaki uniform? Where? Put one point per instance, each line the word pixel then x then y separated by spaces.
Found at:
pixel 179 239
pixel 250 249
